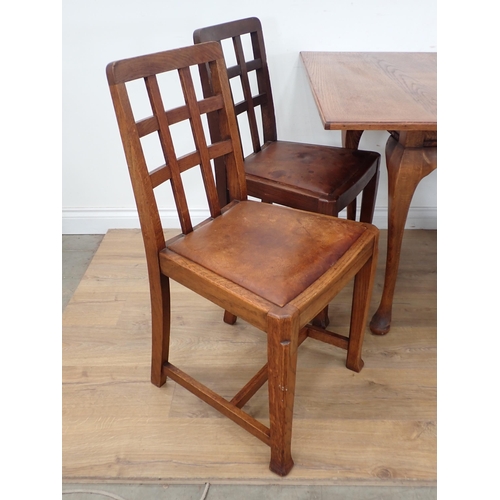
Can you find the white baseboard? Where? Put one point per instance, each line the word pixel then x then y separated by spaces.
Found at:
pixel 100 220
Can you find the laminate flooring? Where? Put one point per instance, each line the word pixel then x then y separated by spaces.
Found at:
pixel 368 435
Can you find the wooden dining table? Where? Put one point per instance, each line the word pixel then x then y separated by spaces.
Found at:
pixel 392 91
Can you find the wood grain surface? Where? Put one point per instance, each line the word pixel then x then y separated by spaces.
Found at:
pixel 373 427
pixel 374 90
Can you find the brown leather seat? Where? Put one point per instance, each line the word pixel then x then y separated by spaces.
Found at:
pixel 307 176
pixel 263 248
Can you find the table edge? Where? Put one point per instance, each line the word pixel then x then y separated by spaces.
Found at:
pixel 366 125
pixel 379 126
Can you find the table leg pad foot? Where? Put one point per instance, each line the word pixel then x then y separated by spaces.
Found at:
pixel 380 324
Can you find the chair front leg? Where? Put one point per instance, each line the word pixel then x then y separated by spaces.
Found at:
pixel 363 287
pixel 282 342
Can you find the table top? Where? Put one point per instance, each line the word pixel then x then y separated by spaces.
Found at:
pixel 374 90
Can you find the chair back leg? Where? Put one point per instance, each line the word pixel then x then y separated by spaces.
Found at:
pixel 160 325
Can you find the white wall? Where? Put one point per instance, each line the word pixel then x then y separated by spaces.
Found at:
pixel 96 192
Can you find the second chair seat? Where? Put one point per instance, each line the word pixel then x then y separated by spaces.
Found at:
pixel 321 179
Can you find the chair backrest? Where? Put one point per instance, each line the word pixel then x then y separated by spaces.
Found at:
pixel 242 69
pixel 158 121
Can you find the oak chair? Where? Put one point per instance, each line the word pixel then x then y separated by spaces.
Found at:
pixel 322 179
pixel 275 267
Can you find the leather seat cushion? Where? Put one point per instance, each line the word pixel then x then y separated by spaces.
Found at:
pixel 272 251
pixel 323 170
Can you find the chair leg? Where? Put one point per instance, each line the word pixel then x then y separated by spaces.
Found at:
pixel 327 207
pixel 282 341
pixel 363 286
pixel 368 199
pixel 322 320
pixel 351 210
pixel 229 318
pixel 160 322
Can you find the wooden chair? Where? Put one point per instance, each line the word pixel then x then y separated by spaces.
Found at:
pixel 311 177
pixel 322 179
pixel 273 266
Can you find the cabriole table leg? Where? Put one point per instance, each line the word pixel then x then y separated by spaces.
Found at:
pixel 408 162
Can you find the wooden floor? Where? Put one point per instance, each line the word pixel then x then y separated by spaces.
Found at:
pixel 377 427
